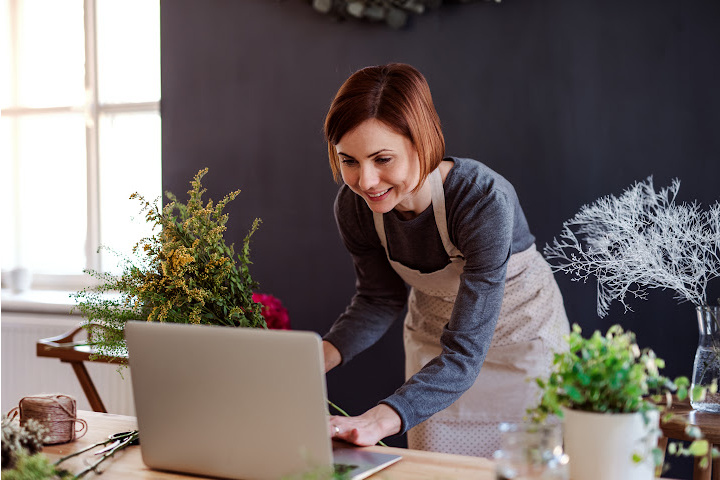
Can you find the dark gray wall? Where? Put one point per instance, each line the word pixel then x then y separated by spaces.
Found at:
pixel 569 99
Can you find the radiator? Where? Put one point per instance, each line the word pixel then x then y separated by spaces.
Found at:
pixel 24 374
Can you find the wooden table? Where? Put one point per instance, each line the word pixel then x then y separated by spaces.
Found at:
pixel 69 350
pixel 415 465
pixel 709 425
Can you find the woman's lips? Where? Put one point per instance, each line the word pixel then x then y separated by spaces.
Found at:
pixel 377 196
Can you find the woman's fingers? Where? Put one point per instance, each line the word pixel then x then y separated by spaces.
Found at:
pixel 367 429
pixel 339 427
pixel 355 438
pixel 354 430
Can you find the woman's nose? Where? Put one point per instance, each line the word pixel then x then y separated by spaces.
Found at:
pixel 368 177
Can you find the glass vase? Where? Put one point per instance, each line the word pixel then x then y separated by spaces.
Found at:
pixel 707 357
pixel 530 451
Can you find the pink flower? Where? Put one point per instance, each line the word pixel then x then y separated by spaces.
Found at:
pixel 275 314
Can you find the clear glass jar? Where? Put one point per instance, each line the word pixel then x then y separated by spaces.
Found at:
pixel 529 451
pixel 707 357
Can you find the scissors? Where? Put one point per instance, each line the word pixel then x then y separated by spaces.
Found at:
pixel 129 438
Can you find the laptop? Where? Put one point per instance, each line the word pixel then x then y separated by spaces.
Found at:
pixel 236 403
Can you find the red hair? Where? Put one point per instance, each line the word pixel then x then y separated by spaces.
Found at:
pixel 397 95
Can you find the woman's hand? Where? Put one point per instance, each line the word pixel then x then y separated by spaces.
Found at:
pixel 367 429
pixel 332 356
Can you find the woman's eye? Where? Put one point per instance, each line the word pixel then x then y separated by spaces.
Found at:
pixel 348 161
pixel 382 159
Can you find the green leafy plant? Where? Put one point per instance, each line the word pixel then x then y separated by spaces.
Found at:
pixel 35 467
pixel 184 273
pixel 611 374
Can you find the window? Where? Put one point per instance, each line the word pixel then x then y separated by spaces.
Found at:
pixel 79 132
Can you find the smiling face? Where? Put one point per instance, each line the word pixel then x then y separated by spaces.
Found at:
pixel 382 167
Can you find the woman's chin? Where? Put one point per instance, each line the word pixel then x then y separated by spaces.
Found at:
pixel 379 207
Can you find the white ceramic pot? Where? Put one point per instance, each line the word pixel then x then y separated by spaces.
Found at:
pixel 601 445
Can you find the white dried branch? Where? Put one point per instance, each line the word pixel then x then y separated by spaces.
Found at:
pixel 639 241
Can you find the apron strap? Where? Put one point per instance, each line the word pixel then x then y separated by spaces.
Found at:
pixel 438 203
pixel 380 229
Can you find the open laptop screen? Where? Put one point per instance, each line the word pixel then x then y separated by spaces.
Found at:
pixel 229 402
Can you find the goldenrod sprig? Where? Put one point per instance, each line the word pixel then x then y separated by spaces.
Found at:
pixel 184 273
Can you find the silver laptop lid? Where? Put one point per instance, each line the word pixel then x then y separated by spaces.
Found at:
pixel 229 402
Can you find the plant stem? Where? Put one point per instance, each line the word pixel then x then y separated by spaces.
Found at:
pixel 343 412
pixel 129 439
pixel 126 439
pixel 80 452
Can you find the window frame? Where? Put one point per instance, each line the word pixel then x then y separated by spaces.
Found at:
pixel 92 110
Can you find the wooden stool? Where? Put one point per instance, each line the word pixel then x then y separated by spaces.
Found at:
pixel 709 425
pixel 75 353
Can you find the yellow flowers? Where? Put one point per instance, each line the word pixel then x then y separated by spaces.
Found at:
pixel 176 261
pixel 184 273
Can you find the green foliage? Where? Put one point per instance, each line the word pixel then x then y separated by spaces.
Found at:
pixel 605 373
pixel 184 273
pixel 611 374
pixel 322 473
pixel 35 467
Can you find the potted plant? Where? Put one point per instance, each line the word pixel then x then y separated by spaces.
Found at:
pixel 643 240
pixel 611 395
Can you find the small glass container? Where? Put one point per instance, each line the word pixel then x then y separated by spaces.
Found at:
pixel 706 368
pixel 531 452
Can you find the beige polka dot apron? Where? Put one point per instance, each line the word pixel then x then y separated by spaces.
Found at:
pixel 530 327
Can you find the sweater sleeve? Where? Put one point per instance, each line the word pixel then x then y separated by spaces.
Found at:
pixel 380 294
pixel 483 233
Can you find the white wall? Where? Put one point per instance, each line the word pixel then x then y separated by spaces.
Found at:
pixel 23 373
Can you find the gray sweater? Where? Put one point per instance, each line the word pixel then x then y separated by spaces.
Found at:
pixel 487 224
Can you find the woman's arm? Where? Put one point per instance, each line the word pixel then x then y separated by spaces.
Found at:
pixel 332 356
pixel 380 294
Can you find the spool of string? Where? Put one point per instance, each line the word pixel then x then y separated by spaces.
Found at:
pixel 56 412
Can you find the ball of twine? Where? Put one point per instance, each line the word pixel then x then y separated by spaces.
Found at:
pixel 56 412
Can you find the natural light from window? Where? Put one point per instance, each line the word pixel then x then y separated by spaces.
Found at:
pixel 80 131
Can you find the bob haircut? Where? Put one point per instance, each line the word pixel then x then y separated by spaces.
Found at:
pixel 397 95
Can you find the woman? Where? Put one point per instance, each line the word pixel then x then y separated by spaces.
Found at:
pixel 453 230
